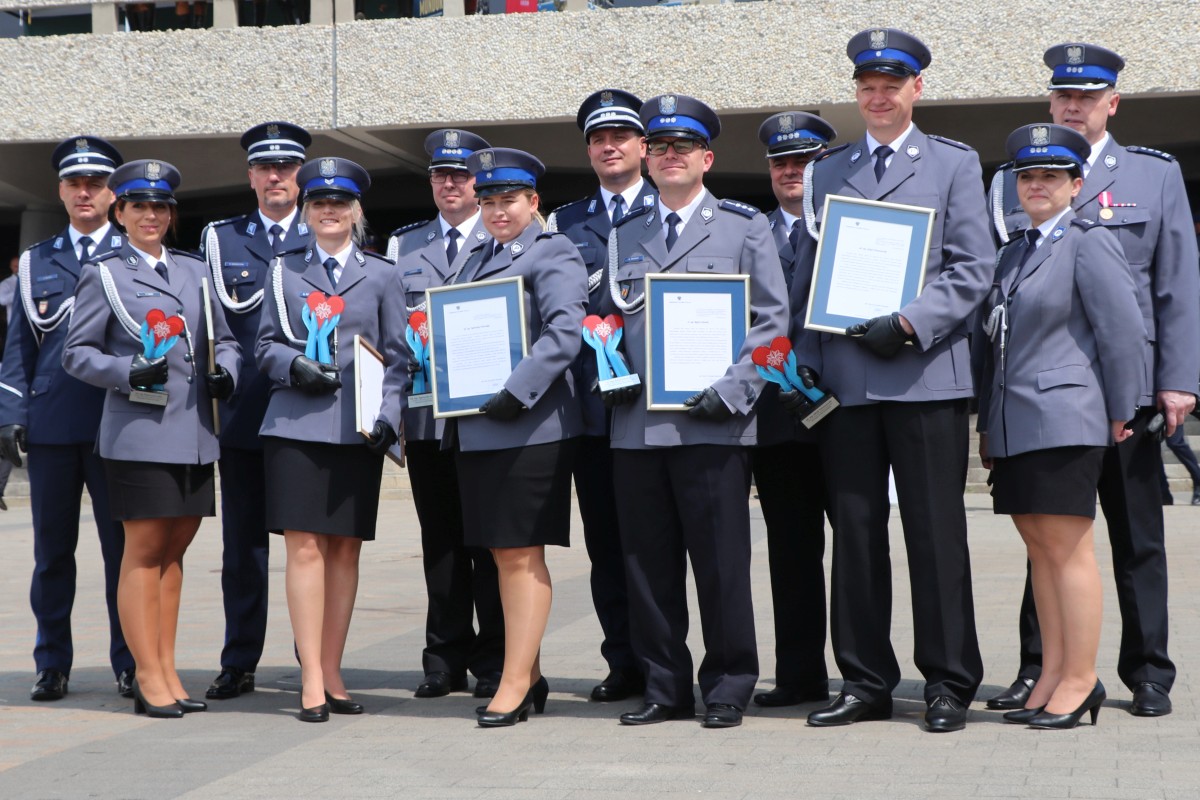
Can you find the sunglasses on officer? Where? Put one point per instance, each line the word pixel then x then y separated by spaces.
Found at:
pixel 456 176
pixel 658 147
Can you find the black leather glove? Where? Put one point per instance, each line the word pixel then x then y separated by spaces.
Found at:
pixel 794 401
pixel 312 377
pixel 1156 429
pixel 382 438
pixel 12 442
pixel 883 336
pixel 146 372
pixel 414 364
pixel 617 397
pixel 502 406
pixel 220 383
pixel 708 405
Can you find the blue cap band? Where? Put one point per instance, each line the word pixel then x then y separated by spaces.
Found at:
pixel 142 183
pixel 890 55
pixel 797 135
pixel 507 175
pixel 336 182
pixel 1052 151
pixel 677 122
pixel 1067 72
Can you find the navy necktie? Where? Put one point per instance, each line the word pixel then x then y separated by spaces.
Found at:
pixel 331 265
pixel 618 203
pixel 881 156
pixel 452 245
pixel 277 238
pixel 794 236
pixel 161 269
pixel 85 248
pixel 673 219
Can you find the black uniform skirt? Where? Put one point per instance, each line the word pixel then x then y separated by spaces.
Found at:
pixel 321 488
pixel 146 490
pixel 1059 480
pixel 519 497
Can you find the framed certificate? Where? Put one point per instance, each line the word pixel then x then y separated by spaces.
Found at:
pixel 871 260
pixel 477 337
pixel 695 327
pixel 368 393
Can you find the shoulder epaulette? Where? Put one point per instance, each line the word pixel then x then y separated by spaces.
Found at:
pixel 549 234
pixel 177 252
pixel 633 214
pixel 36 245
pixel 1150 151
pixel 1086 224
pixel 951 142
pixel 830 151
pixel 227 221
pixel 745 209
pixel 410 226
pixel 1004 166
pixel 573 203
pixel 379 257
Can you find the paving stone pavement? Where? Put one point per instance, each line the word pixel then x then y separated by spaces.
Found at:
pixel 90 745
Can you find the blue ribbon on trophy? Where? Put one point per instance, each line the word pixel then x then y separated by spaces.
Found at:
pixel 777 364
pixel 416 333
pixel 158 333
pixel 603 336
pixel 320 316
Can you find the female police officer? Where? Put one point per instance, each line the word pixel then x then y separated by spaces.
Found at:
pixel 1061 375
pixel 139 330
pixel 322 475
pixel 514 460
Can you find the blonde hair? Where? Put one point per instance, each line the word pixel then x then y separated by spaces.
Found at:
pixel 358 228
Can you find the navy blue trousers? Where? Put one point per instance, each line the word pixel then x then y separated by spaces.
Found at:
pixel 243 557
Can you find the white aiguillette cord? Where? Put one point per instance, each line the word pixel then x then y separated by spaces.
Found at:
pixel 37 321
pixel 212 249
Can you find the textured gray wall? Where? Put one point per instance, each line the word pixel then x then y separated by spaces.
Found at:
pixel 527 67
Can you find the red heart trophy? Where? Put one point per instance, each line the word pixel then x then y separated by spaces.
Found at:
pixel 777 364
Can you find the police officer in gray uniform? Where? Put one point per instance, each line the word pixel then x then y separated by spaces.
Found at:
pixel 613 132
pixel 54 417
pixel 786 463
pixel 683 477
pixel 904 381
pixel 239 251
pixel 1138 194
pixel 460 580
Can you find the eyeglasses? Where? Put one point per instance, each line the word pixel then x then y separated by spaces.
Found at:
pixel 681 146
pixel 457 177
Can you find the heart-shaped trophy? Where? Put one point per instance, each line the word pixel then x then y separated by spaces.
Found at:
pixel 777 364
pixel 321 315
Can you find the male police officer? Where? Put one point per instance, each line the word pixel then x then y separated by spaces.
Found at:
pixel 461 581
pixel 55 417
pixel 239 252
pixel 904 382
pixel 613 132
pixel 682 478
pixel 1138 194
pixel 787 462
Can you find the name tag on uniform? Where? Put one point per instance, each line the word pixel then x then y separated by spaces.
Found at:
pixel 149 294
pixel 632 259
pixel 413 272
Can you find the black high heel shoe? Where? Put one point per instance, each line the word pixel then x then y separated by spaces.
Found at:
pixel 140 706
pixel 539 692
pixel 1090 703
pixel 338 706
pixel 1021 716
pixel 190 706
pixel 315 714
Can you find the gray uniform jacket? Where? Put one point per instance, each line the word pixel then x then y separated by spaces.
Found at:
pixel 722 237
pixel 420 254
pixel 1152 223
pixel 369 286
pixel 934 173
pixel 100 348
pixel 1072 355
pixel 775 425
pixel 555 295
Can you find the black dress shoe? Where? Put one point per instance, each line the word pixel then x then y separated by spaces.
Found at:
pixel 140 706
pixel 440 684
pixel 339 706
pixel 125 683
pixel 1021 716
pixel 315 714
pixel 782 696
pixel 656 712
pixel 231 683
pixel 945 714
pixel 1149 700
pixel 506 719
pixel 191 706
pixel 621 684
pixel 722 715
pixel 847 709
pixel 1092 703
pixel 51 685
pixel 486 684
pixel 1013 697
pixel 538 693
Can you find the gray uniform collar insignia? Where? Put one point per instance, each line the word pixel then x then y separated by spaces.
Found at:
pixel 707 213
pixel 516 248
pixel 132 261
pixel 251 228
pixel 308 255
pixel 913 151
pixel 480 235
pixel 592 206
pixel 114 242
pixel 361 258
pixel 1110 161
pixel 429 237
pixel 302 228
pixel 855 156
